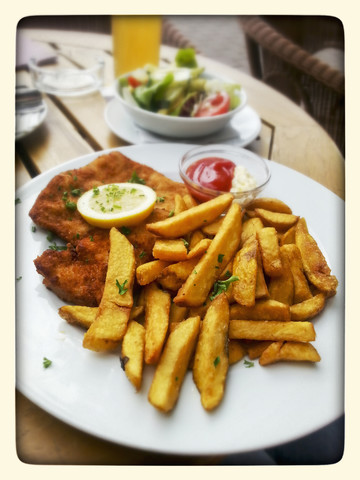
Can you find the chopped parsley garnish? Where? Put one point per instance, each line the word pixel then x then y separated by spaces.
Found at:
pixel 171 213
pixel 50 237
pixel 186 243
pixel 76 192
pixel 220 257
pixel 57 248
pixel 160 199
pixel 46 362
pixel 18 278
pixel 96 191
pixel 121 287
pixel 91 238
pixel 125 230
pixel 222 285
pixel 142 254
pixel 33 229
pixel 248 364
pixel 216 361
pixel 136 179
pixel 17 200
pixel 70 205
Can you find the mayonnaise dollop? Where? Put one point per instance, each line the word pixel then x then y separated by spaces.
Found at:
pixel 242 180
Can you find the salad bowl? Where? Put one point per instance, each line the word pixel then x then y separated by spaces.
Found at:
pixel 170 124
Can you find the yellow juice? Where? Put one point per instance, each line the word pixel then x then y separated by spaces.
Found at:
pixel 136 41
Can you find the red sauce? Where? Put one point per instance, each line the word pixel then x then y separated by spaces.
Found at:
pixel 212 172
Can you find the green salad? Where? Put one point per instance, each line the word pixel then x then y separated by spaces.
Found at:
pixel 180 89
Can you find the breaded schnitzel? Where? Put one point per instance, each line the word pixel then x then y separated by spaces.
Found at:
pixel 77 274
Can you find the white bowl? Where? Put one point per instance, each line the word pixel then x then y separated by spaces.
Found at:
pixel 180 127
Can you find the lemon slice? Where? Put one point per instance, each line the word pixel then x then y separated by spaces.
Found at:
pixel 116 204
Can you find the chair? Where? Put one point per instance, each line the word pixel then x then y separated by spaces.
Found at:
pixel 286 53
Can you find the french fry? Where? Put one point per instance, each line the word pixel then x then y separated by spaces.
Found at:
pixel 174 275
pixel 148 272
pixel 132 353
pixel 255 348
pixel 84 316
pixel 271 204
pixel 189 201
pixel 177 314
pixel 223 246
pixel 78 315
pixel 212 229
pixel 270 251
pixel 195 237
pixel 262 310
pixel 293 351
pixel 288 237
pixel 261 291
pixel 308 308
pixel 173 364
pixel 245 268
pixel 280 221
pixel 281 287
pixel 199 249
pixel 170 250
pixel 113 314
pixel 249 227
pixel 157 311
pixel 191 219
pixel 301 287
pixel 179 204
pixel 271 330
pixel 237 351
pixel 315 266
pixel 211 362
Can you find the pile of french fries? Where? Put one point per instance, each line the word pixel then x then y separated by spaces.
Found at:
pixel 224 282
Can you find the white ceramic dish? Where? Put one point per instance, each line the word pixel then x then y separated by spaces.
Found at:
pixel 262 407
pixel 242 129
pixel 180 127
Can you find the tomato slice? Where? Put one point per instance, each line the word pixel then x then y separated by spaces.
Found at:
pixel 134 82
pixel 214 104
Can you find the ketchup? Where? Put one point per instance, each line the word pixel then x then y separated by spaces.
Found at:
pixel 212 172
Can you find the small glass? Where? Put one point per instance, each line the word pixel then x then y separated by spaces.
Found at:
pixel 67 81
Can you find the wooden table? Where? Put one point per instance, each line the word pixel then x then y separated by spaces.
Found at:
pixel 76 126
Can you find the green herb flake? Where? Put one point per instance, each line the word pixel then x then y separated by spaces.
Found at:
pixel 33 229
pixel 136 179
pixel 76 192
pixel 125 230
pixel 121 287
pixel 91 238
pixel 171 213
pixel 46 362
pixel 216 361
pixel 220 257
pixel 248 364
pixel 18 278
pixel 160 199
pixel 57 248
pixel 142 254
pixel 70 205
pixel 96 191
pixel 17 201
pixel 222 286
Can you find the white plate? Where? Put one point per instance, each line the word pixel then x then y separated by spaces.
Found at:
pixel 28 121
pixel 262 407
pixel 241 130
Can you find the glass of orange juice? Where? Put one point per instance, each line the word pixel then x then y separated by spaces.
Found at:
pixel 136 41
